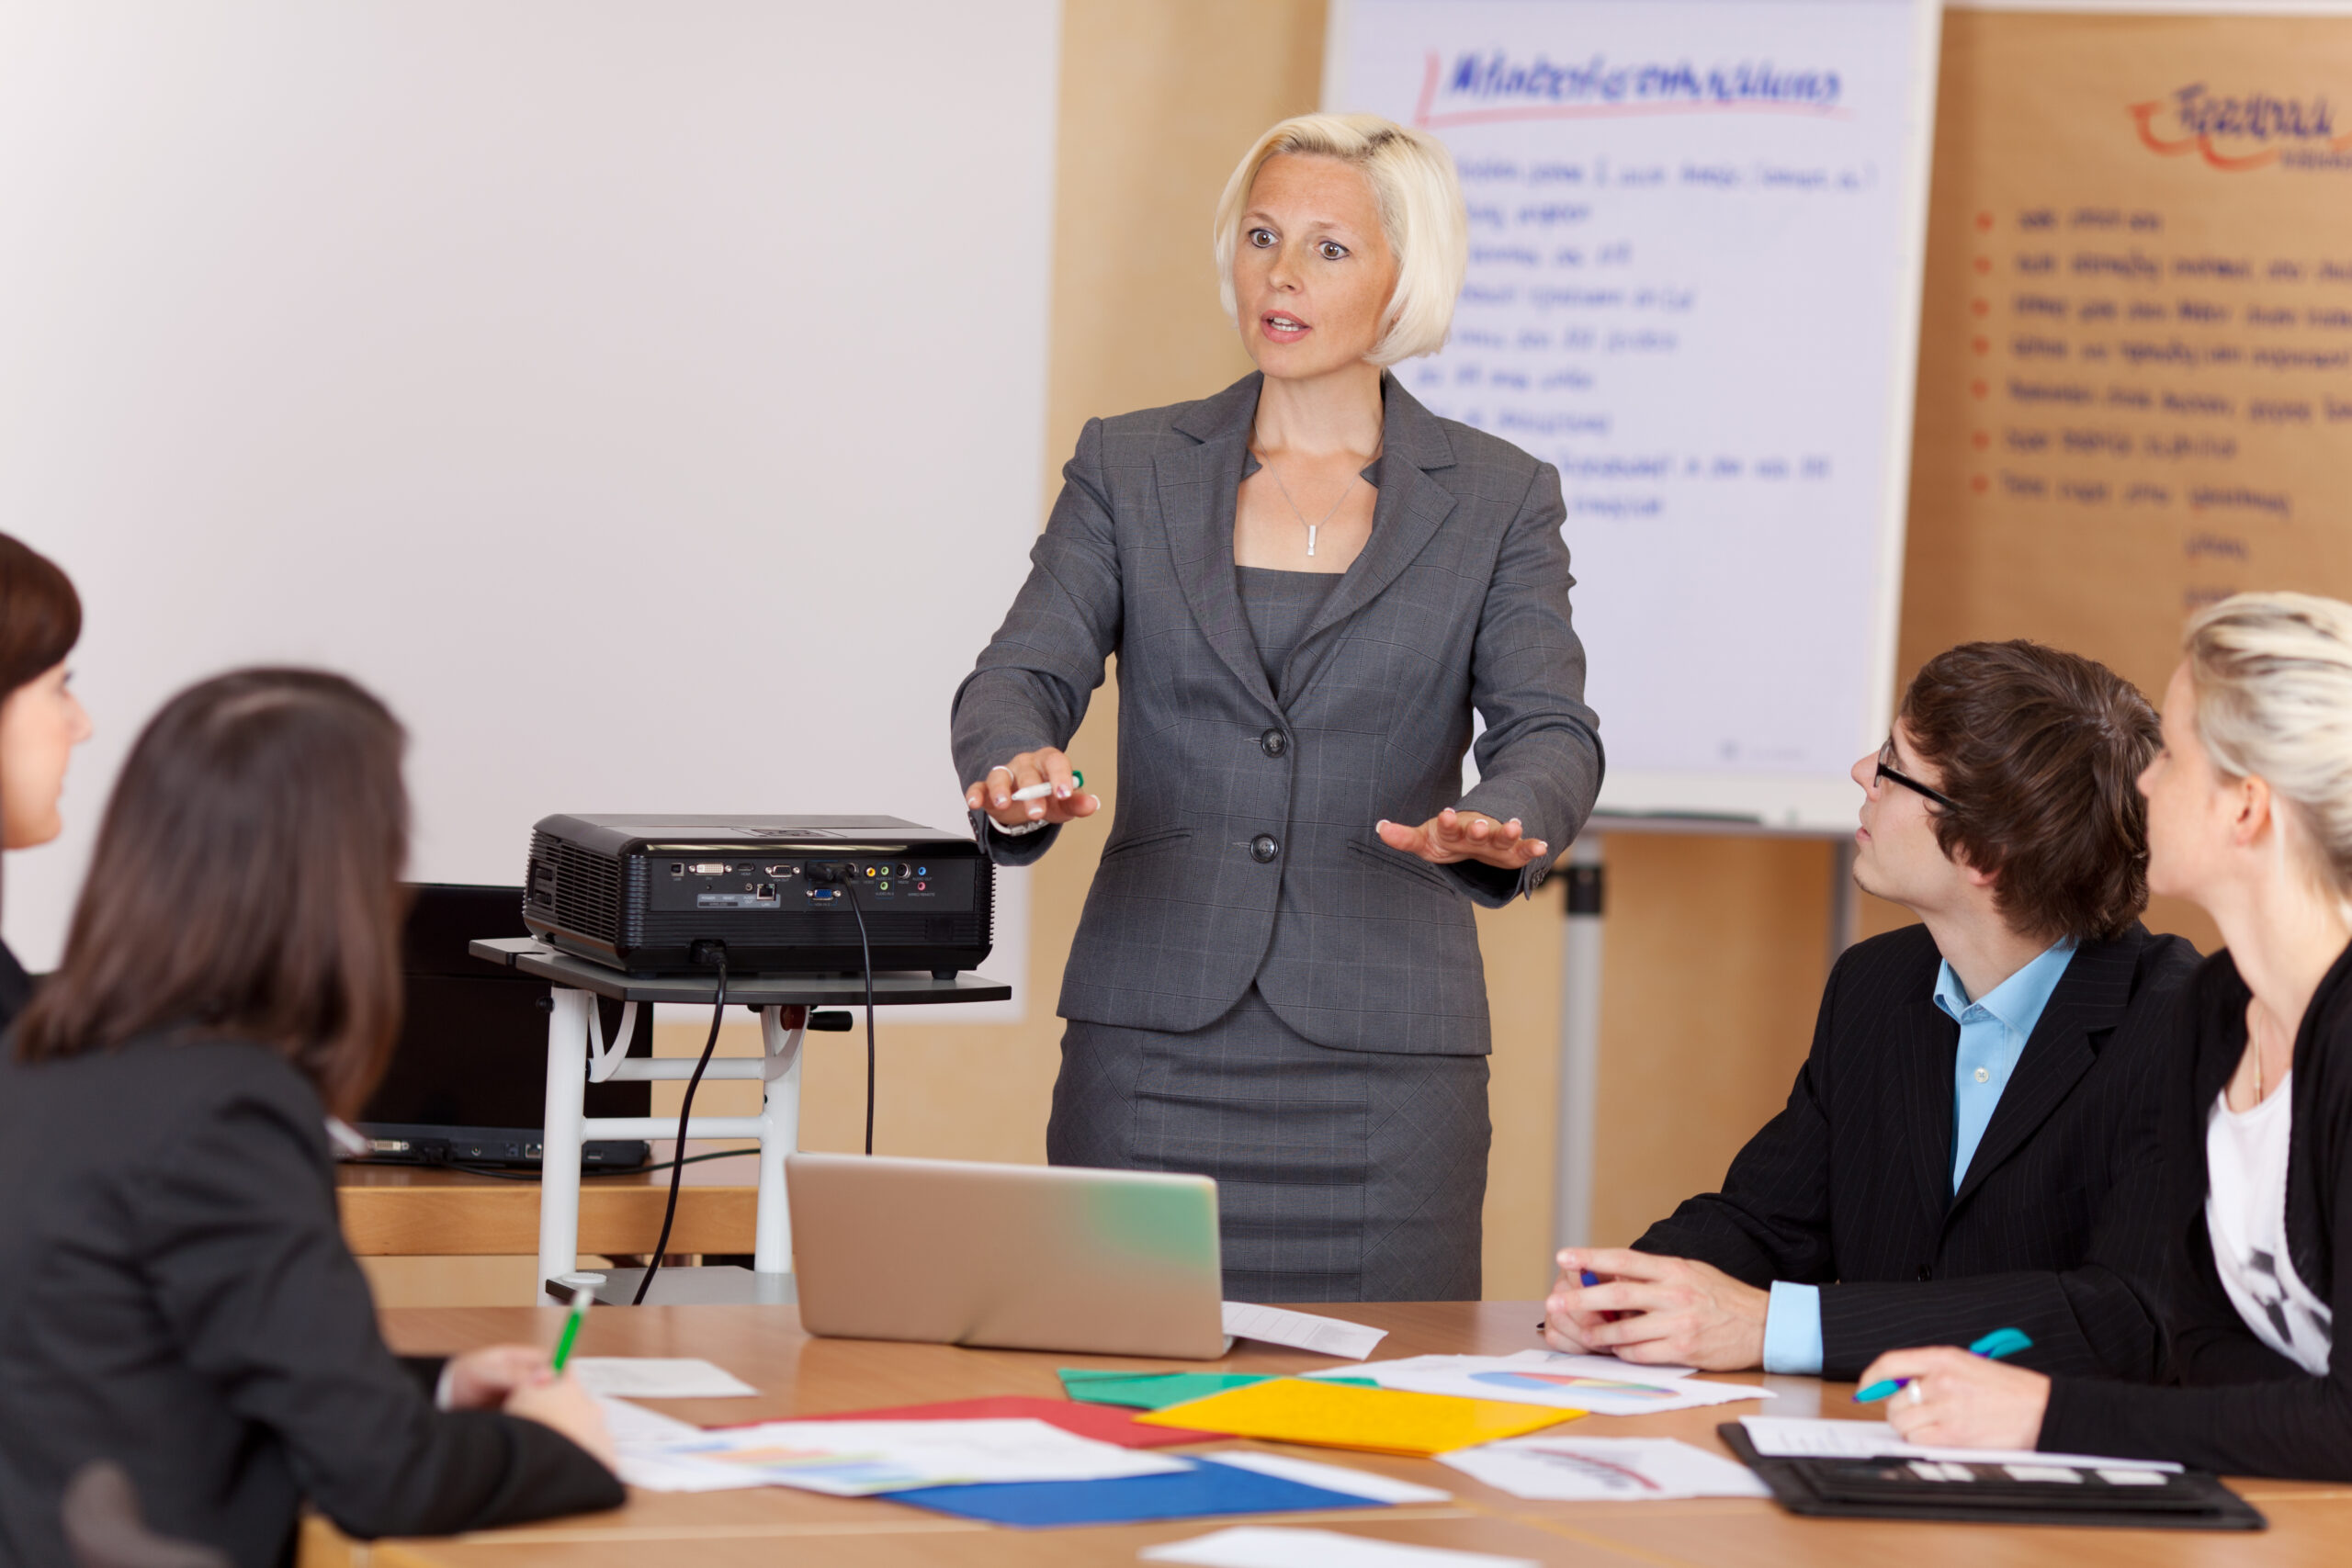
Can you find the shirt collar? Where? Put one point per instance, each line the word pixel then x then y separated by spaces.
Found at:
pixel 2016 1001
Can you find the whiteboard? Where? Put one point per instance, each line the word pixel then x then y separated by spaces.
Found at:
pixel 645 398
pixel 1696 239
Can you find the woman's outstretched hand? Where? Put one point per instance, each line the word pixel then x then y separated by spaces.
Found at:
pixel 994 794
pixel 1454 835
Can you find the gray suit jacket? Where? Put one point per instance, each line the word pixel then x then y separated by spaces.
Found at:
pixel 1243 847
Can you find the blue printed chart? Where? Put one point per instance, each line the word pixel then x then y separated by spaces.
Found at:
pixel 1696 233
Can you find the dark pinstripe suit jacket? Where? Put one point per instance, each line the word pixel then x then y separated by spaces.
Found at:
pixel 1244 846
pixel 2057 1227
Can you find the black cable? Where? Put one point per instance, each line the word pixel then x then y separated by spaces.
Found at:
pixel 866 954
pixel 685 1110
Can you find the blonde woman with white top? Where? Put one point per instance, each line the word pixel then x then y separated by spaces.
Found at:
pixel 2249 816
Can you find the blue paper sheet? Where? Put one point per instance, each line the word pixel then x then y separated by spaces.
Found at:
pixel 1207 1488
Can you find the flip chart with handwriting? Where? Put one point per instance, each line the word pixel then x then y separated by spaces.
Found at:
pixel 1695 228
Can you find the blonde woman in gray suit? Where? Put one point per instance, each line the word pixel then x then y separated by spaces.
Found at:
pixel 1310 583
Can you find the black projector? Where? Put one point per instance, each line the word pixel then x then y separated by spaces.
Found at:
pixel 637 893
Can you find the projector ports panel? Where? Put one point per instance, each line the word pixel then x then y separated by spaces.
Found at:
pixel 924 884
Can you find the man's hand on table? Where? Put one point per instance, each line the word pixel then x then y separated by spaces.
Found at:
pixel 1656 1311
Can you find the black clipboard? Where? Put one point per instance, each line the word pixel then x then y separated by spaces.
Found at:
pixel 1890 1488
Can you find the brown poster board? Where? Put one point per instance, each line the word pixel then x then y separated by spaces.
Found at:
pixel 2135 368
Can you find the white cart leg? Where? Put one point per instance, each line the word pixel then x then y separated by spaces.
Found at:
pixel 560 1136
pixel 779 1135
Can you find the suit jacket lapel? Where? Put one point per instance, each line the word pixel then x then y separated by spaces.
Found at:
pixel 2091 997
pixel 1409 510
pixel 1929 1047
pixel 1198 488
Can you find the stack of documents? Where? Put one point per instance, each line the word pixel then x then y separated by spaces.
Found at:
pixel 1325 1414
pixel 863 1458
pixel 1790 1437
pixel 1235 1483
pixel 1561 1468
pixel 1301 1330
pixel 1598 1386
pixel 657 1377
pixel 1266 1546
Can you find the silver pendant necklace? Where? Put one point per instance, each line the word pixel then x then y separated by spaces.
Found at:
pixel 1312 528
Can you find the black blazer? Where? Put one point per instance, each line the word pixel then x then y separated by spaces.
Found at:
pixel 1849 1187
pixel 178 1298
pixel 2255 1412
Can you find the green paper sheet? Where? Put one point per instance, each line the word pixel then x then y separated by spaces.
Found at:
pixel 1157 1391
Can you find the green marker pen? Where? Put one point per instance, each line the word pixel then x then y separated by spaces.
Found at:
pixel 1039 791
pixel 583 1298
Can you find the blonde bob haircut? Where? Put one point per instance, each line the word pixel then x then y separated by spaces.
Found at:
pixel 2273 677
pixel 1421 213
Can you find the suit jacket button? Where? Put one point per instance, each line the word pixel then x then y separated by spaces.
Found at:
pixel 1274 742
pixel 1925 1273
pixel 1262 848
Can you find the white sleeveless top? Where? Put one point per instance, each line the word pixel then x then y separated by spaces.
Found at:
pixel 2245 1214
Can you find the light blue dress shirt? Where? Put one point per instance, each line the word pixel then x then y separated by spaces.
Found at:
pixel 1992 1033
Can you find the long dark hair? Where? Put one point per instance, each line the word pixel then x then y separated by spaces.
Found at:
pixel 245 884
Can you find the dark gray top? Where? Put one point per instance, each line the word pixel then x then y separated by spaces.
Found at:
pixel 1280 606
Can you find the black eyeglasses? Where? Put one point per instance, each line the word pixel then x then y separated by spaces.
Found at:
pixel 1884 772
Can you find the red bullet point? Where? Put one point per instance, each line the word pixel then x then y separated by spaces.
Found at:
pixel 1980 484
pixel 1984 264
pixel 1979 307
pixel 1982 346
pixel 1980 441
pixel 1983 222
pixel 1977 389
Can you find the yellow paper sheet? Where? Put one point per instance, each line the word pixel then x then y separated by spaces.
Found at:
pixel 1379 1420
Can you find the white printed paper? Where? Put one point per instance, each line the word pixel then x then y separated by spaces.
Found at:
pixel 1273 1546
pixel 1797 1437
pixel 858 1459
pixel 1600 1384
pixel 656 1377
pixel 1331 1477
pixel 1301 1330
pixel 1588 1470
pixel 643 1438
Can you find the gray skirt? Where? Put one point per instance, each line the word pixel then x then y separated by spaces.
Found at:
pixel 1341 1175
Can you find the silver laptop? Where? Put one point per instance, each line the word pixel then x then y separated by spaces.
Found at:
pixel 1018 1257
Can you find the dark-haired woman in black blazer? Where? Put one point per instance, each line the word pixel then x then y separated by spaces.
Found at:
pixel 2249 815
pixel 179 1298
pixel 40 720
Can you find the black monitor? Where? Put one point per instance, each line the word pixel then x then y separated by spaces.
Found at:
pixel 467 1082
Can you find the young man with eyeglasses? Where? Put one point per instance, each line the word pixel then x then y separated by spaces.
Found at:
pixel 1972 1142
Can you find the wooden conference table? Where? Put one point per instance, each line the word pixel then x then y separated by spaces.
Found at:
pixel 2310 1524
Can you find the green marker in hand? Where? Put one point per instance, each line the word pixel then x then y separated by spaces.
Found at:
pixel 583 1298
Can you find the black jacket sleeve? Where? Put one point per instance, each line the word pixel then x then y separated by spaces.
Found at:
pixel 2250 1412
pixel 1770 1221
pixel 265 1300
